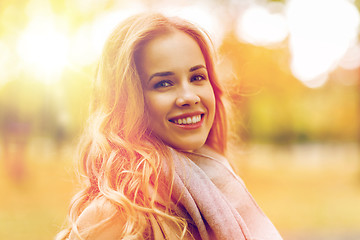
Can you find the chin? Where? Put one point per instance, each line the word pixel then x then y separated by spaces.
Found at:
pixel 192 146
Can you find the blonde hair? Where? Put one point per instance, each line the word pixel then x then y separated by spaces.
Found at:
pixel 120 158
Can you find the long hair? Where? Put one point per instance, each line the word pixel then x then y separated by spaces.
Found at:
pixel 119 156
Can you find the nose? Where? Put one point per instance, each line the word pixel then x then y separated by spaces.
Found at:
pixel 187 96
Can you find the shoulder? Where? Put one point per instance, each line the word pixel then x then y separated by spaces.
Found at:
pixel 99 220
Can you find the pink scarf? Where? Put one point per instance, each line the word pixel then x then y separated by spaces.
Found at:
pixel 216 199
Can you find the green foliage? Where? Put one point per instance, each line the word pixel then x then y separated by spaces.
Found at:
pixel 273 106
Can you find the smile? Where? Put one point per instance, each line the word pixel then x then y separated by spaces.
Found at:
pixel 189 121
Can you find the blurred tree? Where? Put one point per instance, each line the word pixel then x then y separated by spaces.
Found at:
pixel 274 106
pixel 20 103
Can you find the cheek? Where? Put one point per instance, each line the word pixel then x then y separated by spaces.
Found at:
pixel 209 99
pixel 156 106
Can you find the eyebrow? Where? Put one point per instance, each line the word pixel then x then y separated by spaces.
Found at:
pixel 164 74
pixel 161 74
pixel 196 67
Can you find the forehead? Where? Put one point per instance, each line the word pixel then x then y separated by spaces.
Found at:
pixel 169 51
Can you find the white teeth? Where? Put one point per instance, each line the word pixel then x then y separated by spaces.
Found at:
pixel 194 119
pixel 188 120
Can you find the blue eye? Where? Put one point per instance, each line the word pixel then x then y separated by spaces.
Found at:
pixel 198 78
pixel 163 84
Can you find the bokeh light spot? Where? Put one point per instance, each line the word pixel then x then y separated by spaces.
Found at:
pixel 320 33
pixel 43 49
pixel 259 26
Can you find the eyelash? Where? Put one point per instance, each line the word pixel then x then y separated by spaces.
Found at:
pixel 193 78
pixel 167 83
pixel 161 84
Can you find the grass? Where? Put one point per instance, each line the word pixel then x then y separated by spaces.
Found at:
pixel 297 197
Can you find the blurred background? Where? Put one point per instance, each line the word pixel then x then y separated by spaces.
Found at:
pixel 291 69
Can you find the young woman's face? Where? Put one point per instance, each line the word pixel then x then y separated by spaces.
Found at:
pixel 178 95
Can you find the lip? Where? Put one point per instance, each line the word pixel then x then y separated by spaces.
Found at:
pixel 189 126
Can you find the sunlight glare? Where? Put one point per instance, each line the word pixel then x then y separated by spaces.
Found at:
pixel 306 66
pixel 86 6
pixel 320 33
pixel 200 15
pixel 82 50
pixel 43 49
pixel 106 23
pixel 351 59
pixel 89 39
pixel 259 26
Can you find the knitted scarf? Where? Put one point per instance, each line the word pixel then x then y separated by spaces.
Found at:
pixel 216 199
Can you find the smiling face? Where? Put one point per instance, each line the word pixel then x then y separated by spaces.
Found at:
pixel 178 94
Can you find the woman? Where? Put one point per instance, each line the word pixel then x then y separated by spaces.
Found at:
pixel 153 153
